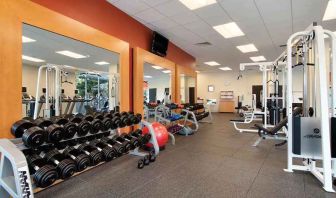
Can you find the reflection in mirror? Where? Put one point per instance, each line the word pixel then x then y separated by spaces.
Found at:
pixel 187 86
pixel 157 87
pixel 84 77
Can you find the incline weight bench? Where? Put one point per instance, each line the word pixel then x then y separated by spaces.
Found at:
pixel 274 132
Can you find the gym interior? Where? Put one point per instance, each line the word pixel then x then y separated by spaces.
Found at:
pixel 167 98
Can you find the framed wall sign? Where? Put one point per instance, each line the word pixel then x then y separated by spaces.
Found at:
pixel 211 88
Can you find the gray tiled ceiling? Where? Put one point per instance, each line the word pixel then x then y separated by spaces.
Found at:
pixel 266 23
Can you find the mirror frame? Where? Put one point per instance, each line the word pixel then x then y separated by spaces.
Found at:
pixel 189 72
pixel 12 15
pixel 140 56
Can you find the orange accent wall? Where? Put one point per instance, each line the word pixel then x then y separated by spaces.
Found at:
pixel 107 18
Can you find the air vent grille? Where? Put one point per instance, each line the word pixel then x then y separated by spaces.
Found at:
pixel 203 44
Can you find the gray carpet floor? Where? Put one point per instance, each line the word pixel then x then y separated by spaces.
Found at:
pixel 216 162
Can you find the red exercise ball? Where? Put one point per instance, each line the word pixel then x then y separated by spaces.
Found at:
pixel 161 134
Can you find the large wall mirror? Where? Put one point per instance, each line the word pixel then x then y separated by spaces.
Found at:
pixel 186 85
pixel 88 75
pixel 157 85
pixel 16 13
pixel 154 81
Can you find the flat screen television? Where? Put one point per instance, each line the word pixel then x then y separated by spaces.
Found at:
pixel 159 44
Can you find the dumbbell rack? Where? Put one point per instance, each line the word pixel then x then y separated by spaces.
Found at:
pixel 161 115
pixel 15 179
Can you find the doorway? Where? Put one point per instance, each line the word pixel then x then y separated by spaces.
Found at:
pixel 191 95
pixel 152 95
pixel 257 89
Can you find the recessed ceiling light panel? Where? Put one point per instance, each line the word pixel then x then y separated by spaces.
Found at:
pixel 257 58
pixel 212 63
pixel 71 54
pixel 229 30
pixel 195 4
pixel 102 63
pixel 29 58
pixel 27 40
pixel 166 71
pixel 225 68
pixel 157 67
pixel 148 76
pixel 247 48
pixel 330 12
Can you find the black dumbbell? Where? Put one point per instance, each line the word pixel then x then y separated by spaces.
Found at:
pixel 139 117
pixel 152 156
pixel 146 137
pixel 132 118
pixel 82 160
pixel 44 174
pixel 125 120
pixel 120 148
pixel 134 142
pixel 138 134
pixel 141 164
pixel 116 122
pixel 108 151
pixel 108 114
pixel 65 167
pixel 135 118
pixel 54 132
pixel 95 155
pixel 32 136
pixel 84 127
pixel 70 128
pixel 146 160
pixel 106 121
pixel 96 124
pixel 122 141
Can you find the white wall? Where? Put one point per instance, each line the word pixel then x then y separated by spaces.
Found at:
pixel 160 83
pixel 227 81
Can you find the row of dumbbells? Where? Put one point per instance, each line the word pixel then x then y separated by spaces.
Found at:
pixel 35 132
pixel 174 128
pixel 194 107
pixel 200 116
pixel 49 165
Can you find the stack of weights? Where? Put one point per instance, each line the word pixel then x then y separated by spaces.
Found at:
pixel 174 128
pixel 44 174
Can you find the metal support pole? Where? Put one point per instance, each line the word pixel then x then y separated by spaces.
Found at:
pixel 325 127
pixel 38 91
pixel 98 94
pixel 265 93
pixel 85 93
pixel 290 100
pixel 57 91
pixel 333 82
